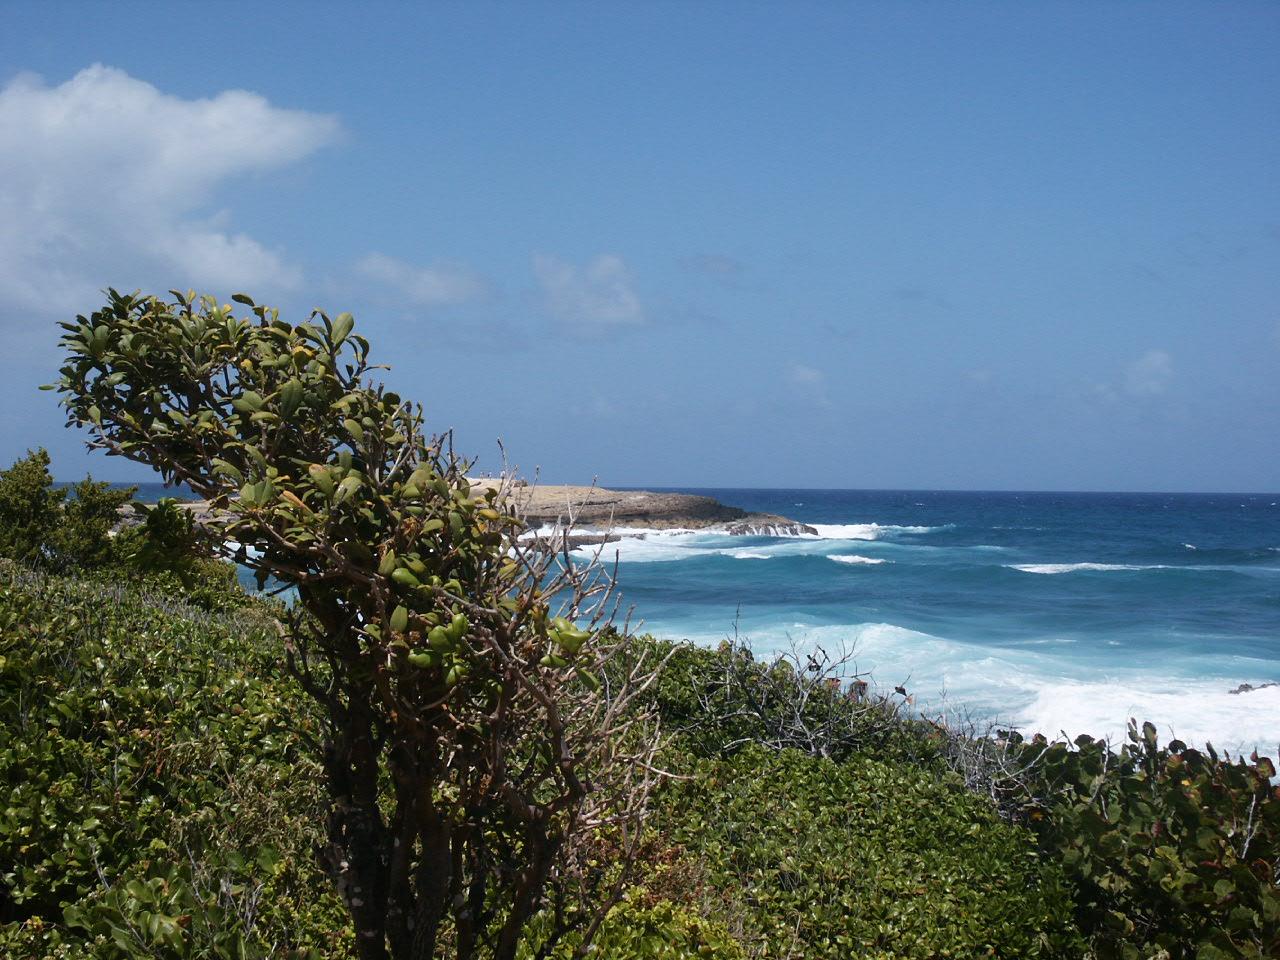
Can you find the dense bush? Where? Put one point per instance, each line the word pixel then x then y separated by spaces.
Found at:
pixel 42 529
pixel 158 803
pixel 30 509
pixel 644 928
pixel 37 528
pixel 814 858
pixel 82 539
pixel 1171 851
pixel 717 700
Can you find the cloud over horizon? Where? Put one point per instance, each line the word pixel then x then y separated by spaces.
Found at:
pixel 588 299
pixel 1149 375
pixel 443 282
pixel 808 382
pixel 104 179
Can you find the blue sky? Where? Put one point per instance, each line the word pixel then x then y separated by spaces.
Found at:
pixel 962 246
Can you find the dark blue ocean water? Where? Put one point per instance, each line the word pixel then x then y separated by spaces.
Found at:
pixel 151 492
pixel 1053 612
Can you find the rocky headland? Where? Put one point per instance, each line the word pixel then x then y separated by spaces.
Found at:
pixel 594 514
pixel 603 511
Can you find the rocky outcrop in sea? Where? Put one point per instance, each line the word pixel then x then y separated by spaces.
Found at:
pixel 594 514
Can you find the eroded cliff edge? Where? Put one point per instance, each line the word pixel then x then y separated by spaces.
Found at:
pixel 600 510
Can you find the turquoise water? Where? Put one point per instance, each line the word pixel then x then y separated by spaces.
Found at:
pixel 1051 612
pixel 1058 613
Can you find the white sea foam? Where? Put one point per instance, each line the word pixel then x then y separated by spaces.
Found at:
pixel 1195 711
pixel 553 530
pixel 666 546
pixel 647 548
pixel 867 531
pixel 1048 687
pixel 854 558
pixel 1073 567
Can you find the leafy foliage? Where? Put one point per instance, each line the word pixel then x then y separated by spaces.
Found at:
pixel 30 509
pixel 40 530
pixel 1172 851
pixel 82 539
pixel 167 541
pixel 718 700
pixel 637 929
pixel 158 802
pixel 816 858
pixel 465 721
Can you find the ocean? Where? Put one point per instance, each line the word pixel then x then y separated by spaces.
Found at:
pixel 1060 613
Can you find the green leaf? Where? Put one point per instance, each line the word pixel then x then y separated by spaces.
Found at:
pixel 249 495
pixel 400 619
pixel 342 326
pixel 346 489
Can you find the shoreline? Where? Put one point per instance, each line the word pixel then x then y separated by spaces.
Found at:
pixel 599 511
pixel 589 515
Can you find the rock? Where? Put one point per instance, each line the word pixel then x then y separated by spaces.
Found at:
pixel 1249 687
pixel 605 509
pixel 601 509
pixel 572 541
pixel 200 512
pixel 769 525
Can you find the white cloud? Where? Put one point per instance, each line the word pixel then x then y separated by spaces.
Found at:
pixel 588 298
pixel 1149 375
pixel 713 264
pixel 103 180
pixel 444 281
pixel 799 375
pixel 807 382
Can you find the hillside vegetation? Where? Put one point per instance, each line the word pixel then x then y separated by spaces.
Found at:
pixel 163 801
pixel 444 750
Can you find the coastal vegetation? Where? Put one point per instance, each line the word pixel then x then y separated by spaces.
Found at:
pixel 445 749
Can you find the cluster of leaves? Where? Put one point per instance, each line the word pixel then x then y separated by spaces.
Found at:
pixel 168 553
pixel 39 529
pixel 646 928
pixel 718 700
pixel 819 823
pixel 468 744
pixel 43 529
pixel 1171 851
pixel 814 858
pixel 157 800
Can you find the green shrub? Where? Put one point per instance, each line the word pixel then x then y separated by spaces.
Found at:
pixel 663 930
pixel 816 859
pixel 166 542
pixel 717 700
pixel 82 539
pixel 38 529
pixel 157 799
pixel 1172 851
pixel 30 509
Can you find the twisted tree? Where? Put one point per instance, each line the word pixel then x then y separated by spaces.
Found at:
pixel 487 776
